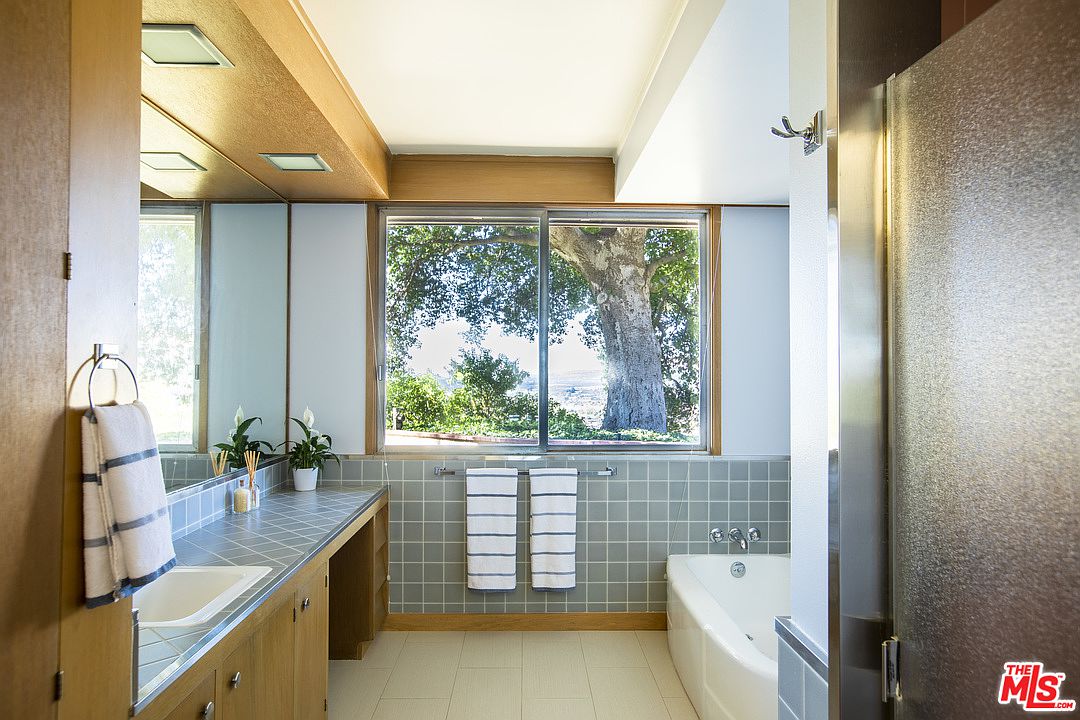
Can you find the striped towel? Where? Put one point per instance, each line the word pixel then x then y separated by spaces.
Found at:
pixel 553 527
pixel 127 536
pixel 491 528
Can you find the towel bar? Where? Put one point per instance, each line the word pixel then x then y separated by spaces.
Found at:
pixel 606 472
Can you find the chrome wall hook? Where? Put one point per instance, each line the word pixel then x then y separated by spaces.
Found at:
pixel 812 134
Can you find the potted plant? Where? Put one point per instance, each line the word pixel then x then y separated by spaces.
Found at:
pixel 307 456
pixel 239 443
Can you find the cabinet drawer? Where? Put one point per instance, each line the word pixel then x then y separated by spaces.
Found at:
pixel 200 703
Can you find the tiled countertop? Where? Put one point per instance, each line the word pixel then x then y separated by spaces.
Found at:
pixel 284 533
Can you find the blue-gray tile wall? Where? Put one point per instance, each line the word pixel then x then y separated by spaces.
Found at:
pixel 627 526
pixel 192 507
pixel 803 692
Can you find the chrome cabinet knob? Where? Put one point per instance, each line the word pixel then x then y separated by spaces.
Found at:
pixel 208 711
pixel 235 681
pixel 305 604
pixel 716 535
pixel 753 534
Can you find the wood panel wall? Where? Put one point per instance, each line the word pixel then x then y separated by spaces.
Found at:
pixel 103 225
pixel 955 14
pixel 502 178
pixel 33 208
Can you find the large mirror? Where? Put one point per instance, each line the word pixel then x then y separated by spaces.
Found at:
pixel 212 327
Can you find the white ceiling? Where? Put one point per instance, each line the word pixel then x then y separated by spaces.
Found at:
pixel 553 77
pixel 712 143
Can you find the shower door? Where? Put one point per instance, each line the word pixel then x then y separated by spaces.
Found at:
pixel 984 258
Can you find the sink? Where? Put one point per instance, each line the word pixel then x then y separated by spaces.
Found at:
pixel 192 595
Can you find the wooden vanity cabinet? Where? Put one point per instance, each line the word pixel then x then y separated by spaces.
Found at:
pixel 275 664
pixel 274 642
pixel 200 703
pixel 237 683
pixel 312 638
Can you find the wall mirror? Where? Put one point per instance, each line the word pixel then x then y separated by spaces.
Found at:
pixel 212 301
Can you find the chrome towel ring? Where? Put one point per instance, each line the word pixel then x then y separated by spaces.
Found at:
pixel 99 358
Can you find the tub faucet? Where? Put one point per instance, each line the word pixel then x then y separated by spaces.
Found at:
pixel 736 536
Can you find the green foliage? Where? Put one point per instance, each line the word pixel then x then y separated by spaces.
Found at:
pixel 239 443
pixel 311 452
pixel 486 405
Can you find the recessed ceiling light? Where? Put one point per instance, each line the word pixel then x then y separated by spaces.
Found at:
pixel 179 46
pixel 169 161
pixel 296 162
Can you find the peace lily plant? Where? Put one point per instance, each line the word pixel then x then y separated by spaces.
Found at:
pixel 308 456
pixel 238 441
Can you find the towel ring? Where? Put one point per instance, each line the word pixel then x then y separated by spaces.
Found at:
pixel 102 358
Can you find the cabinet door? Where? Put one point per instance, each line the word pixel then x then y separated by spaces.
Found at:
pixel 312 653
pixel 274 662
pixel 200 703
pixel 236 684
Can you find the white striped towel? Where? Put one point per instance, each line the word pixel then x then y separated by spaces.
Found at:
pixel 553 527
pixel 127 536
pixel 491 528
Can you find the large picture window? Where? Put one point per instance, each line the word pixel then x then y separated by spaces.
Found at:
pixel 543 328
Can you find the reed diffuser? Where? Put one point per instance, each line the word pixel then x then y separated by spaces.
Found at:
pixel 218 461
pixel 251 459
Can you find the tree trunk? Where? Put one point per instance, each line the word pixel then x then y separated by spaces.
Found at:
pixel 613 263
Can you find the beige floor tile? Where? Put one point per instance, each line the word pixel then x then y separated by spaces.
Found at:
pixel 626 694
pixel 486 694
pixel 612 649
pixel 424 670
pixel 554 669
pixel 436 636
pixel 680 709
pixel 551 636
pixel 354 689
pixel 491 650
pixel 411 709
pixel 654 645
pixel 384 649
pixel 558 709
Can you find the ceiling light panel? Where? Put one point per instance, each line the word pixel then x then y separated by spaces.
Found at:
pixel 169 161
pixel 296 162
pixel 179 46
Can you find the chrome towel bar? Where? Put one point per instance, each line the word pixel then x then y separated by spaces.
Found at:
pixel 606 472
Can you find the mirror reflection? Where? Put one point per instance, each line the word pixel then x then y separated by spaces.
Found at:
pixel 212 310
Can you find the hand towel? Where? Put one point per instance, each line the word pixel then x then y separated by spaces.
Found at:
pixel 553 528
pixel 491 528
pixel 127 536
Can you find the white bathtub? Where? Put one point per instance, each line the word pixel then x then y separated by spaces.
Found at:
pixel 727 675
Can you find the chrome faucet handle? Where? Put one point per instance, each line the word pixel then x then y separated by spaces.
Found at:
pixel 716 535
pixel 753 534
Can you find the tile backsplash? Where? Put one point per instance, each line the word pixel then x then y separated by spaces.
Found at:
pixel 627 525
pixel 192 507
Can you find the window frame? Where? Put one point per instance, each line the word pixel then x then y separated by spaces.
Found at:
pixel 708 315
pixel 202 324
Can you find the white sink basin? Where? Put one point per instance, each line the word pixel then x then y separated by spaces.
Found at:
pixel 192 595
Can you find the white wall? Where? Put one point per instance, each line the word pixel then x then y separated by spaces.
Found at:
pixel 248 258
pixel 809 290
pixel 328 287
pixel 755 388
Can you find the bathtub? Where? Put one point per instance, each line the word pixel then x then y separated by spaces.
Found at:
pixel 720 631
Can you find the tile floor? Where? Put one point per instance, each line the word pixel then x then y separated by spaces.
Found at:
pixel 510 676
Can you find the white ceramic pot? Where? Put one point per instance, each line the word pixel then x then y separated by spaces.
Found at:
pixel 305 478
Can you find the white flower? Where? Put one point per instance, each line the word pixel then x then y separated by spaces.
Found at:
pixel 239 415
pixel 309 417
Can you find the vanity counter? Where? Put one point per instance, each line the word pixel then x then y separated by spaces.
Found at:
pixel 287 531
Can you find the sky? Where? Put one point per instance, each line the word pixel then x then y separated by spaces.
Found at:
pixel 438 346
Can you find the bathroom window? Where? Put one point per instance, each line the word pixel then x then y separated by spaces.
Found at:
pixel 169 314
pixel 543 327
